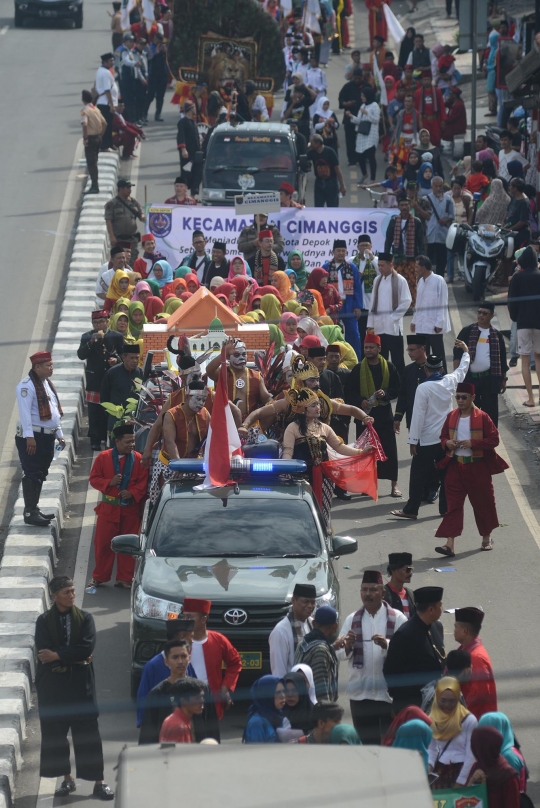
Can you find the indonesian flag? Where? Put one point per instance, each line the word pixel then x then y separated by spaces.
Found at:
pixel 148 12
pixel 355 474
pixel 223 440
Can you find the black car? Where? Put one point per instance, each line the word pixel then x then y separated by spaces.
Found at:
pixel 49 10
pixel 243 547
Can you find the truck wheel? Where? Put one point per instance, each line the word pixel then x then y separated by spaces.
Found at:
pixel 478 284
pixel 78 18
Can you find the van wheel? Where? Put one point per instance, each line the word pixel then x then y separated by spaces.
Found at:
pixel 19 18
pixel 135 682
pixel 478 285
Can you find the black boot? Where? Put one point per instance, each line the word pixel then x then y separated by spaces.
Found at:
pixel 341 494
pixel 48 516
pixel 31 496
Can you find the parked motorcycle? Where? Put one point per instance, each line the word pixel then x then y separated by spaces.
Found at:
pixel 480 247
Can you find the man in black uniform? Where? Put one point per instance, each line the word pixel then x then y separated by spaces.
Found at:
pixel 101 351
pixel 396 594
pixel 121 215
pixel 488 367
pixel 65 640
pixel 119 381
pixel 372 384
pixel 188 144
pixel 350 98
pixel 416 653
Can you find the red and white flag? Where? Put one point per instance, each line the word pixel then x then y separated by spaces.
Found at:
pixel 223 440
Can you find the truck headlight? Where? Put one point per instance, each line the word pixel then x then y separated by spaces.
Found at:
pixel 156 608
pixel 214 194
pixel 328 599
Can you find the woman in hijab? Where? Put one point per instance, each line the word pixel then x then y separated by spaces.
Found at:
pixel 119 288
pixel 179 285
pixel 344 734
pixel 152 306
pixel 172 305
pixel 509 750
pixel 271 308
pixel 307 343
pixel 229 290
pixel 366 144
pixel 238 267
pixel 296 261
pixel 287 325
pixel 493 211
pixel 390 84
pixel 181 271
pixel 265 715
pixel 325 123
pixel 406 47
pixel 425 145
pixel 488 163
pixel 256 302
pixel 308 326
pixel 425 175
pixel 192 282
pixel 276 336
pixel 154 286
pixel 491 67
pixel 415 734
pixel 492 769
pixel 334 335
pixel 307 673
pixel 515 169
pixel 298 707
pixel 291 274
pixel 137 318
pixel 162 273
pixel 120 323
pixel 184 297
pixel 318 281
pixel 122 304
pixel 281 282
pixel 450 753
pixel 463 168
pixel 410 172
pixel 216 281
pixel 141 292
pixel 270 290
pixel 411 713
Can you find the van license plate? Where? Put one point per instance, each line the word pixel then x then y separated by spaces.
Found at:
pixel 251 660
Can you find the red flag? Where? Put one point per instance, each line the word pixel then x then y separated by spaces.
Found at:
pixel 222 439
pixel 355 474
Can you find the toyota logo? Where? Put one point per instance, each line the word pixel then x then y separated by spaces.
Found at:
pixel 235 617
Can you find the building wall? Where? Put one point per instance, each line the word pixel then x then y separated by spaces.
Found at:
pixel 254 341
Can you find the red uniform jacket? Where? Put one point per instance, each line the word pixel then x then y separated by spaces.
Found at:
pixel 100 477
pixel 480 693
pixel 484 446
pixel 217 650
pixel 176 728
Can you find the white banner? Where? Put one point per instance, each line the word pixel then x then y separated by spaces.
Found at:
pixel 311 230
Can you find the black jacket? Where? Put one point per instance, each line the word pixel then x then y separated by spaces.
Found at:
pixel 330 384
pixel 415 657
pixel 188 134
pixel 211 272
pixel 525 284
pixel 410 379
pixel 350 92
pixel 464 336
pixel 97 355
pixel 418 238
pixel 354 396
pixel 393 599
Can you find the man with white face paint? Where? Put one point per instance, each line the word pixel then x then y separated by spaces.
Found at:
pixel 185 428
pixel 246 387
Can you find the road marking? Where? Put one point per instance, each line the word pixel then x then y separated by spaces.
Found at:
pixel 85 544
pixel 40 324
pixel 45 795
pixel 510 473
pixel 4 29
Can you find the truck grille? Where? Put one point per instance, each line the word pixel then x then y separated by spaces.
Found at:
pixel 259 616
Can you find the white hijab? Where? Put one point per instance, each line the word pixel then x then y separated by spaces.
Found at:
pixel 324 113
pixel 308 673
pixel 309 325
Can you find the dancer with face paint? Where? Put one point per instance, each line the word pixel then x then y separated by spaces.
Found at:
pixel 246 387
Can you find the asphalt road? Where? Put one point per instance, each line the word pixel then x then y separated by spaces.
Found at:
pixel 503 582
pixel 45 67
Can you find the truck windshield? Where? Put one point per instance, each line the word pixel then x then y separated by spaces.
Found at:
pixel 258 152
pixel 201 526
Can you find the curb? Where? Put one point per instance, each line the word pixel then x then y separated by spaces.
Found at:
pixel 30 553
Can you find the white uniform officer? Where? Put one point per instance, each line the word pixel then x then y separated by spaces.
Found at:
pixel 39 425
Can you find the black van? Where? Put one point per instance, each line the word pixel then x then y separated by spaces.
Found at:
pixel 251 157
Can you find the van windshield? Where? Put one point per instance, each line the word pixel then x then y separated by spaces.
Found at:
pixel 201 526
pixel 256 152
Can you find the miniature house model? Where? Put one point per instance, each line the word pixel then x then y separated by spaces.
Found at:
pixel 207 323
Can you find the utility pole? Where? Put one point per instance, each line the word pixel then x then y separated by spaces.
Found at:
pixel 474 45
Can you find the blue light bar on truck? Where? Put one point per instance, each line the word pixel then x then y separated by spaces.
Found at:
pixel 244 465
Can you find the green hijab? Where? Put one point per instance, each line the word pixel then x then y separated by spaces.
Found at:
pixel 154 286
pixel 113 326
pixel 181 272
pixel 172 304
pixel 134 328
pixel 333 333
pixel 301 274
pixel 293 305
pixel 344 733
pixel 271 308
pixel 122 301
pixel 276 337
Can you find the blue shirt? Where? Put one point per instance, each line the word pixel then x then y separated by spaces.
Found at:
pixel 154 672
pixel 259 730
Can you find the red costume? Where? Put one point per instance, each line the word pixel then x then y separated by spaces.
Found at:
pixel 114 518
pixel 456 121
pixel 429 103
pixel 198 426
pixel 176 728
pixel 471 478
pixel 253 378
pixel 480 693
pixel 125 134
pixel 377 20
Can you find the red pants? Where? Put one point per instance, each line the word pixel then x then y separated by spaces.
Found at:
pixel 434 129
pixel 127 140
pixel 106 530
pixel 471 480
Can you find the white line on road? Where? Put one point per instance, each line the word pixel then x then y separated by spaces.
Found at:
pixel 510 473
pixel 45 796
pixel 4 30
pixel 85 544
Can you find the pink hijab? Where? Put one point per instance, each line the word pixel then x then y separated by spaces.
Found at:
pixel 231 274
pixel 283 320
pixel 142 286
